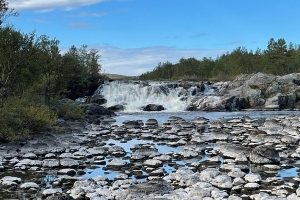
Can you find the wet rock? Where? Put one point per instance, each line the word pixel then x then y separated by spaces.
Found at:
pixel 116 108
pixel 264 155
pixel 151 123
pixel 251 186
pixel 69 172
pixel 97 98
pixel 153 107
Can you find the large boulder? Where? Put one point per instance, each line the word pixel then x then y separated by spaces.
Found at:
pixel 261 81
pixel 97 98
pixel 254 96
pixel 95 112
pixel 236 103
pixel 207 103
pixel 287 101
pixel 116 108
pixel 153 107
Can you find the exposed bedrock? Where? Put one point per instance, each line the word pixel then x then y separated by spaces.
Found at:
pixel 262 91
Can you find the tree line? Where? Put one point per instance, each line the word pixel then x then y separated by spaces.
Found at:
pixel 31 63
pixel 35 74
pixel 278 58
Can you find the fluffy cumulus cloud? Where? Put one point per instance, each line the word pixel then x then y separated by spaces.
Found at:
pixel 45 6
pixel 135 61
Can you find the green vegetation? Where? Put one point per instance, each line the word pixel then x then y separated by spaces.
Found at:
pixel 19 117
pixel 34 75
pixel 70 111
pixel 278 59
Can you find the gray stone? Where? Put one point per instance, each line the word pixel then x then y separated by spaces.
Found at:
pixel 50 163
pixel 222 181
pixel 264 155
pixel 68 162
pixel 253 178
pixel 29 185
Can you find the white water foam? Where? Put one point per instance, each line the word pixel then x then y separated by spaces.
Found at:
pixel 135 95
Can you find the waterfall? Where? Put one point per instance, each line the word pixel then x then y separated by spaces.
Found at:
pixel 137 94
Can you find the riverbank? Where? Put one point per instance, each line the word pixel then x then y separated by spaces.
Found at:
pixel 240 158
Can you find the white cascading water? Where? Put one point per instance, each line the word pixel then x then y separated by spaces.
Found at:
pixel 135 95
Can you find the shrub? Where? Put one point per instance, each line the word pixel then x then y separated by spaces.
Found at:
pixel 20 117
pixel 70 111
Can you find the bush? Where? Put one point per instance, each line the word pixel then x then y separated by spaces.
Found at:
pixel 70 111
pixel 20 117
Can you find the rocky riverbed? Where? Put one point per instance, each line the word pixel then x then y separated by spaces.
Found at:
pixel 239 158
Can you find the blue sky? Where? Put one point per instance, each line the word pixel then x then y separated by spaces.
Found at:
pixel 132 36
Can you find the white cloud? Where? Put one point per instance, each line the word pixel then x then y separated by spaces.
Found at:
pixel 46 6
pixel 78 25
pixel 135 61
pixel 91 14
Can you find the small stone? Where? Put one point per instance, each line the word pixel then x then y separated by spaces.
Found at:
pixel 29 185
pixel 253 178
pixel 251 186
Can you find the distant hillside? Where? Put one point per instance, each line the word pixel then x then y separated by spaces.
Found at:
pixel 120 77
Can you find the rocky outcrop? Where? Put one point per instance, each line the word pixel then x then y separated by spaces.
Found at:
pixel 262 91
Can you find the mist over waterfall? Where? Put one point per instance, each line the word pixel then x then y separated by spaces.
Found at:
pixel 134 95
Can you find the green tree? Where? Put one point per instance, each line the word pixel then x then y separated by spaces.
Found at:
pixel 5 11
pixel 80 69
pixel 15 51
pixel 277 54
pixel 48 59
